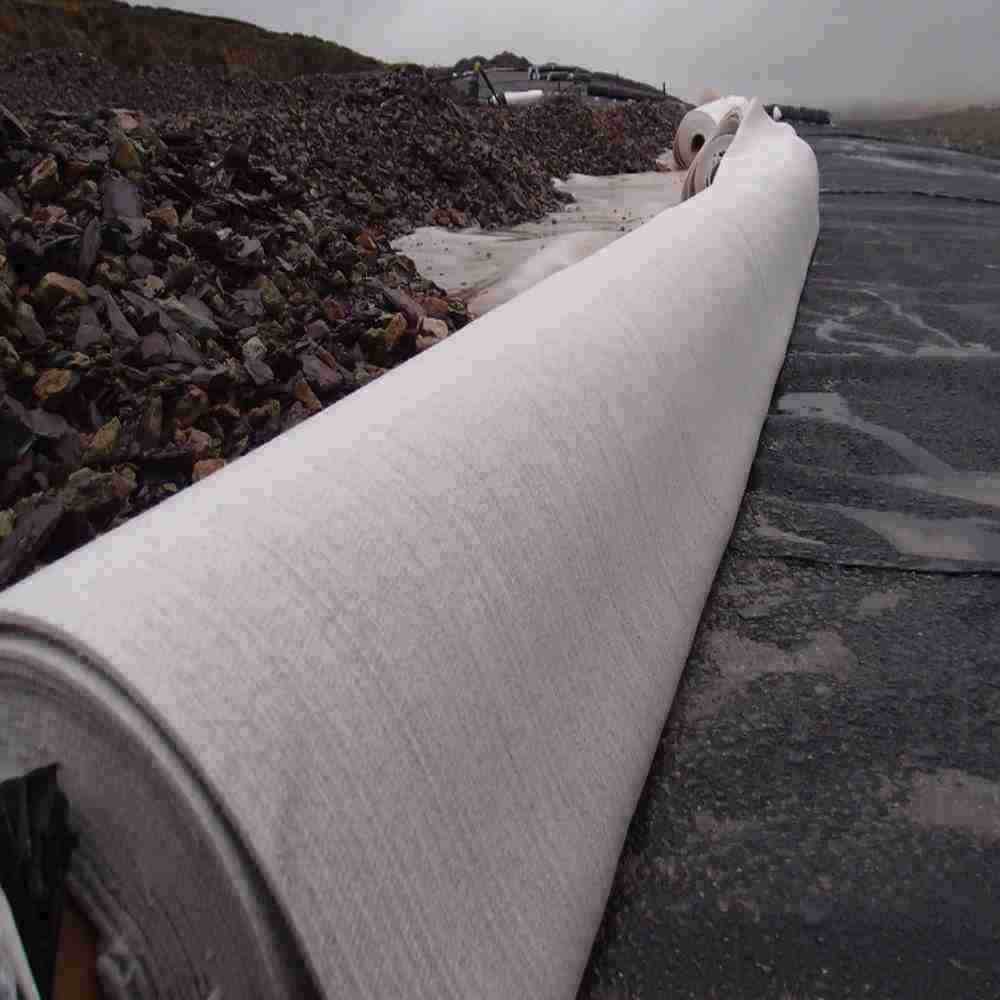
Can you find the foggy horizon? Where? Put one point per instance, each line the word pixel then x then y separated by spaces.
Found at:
pixel 806 53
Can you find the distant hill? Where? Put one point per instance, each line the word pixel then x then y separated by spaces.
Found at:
pixel 624 81
pixel 889 110
pixel 134 37
pixel 972 130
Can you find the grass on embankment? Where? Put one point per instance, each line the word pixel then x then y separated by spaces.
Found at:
pixel 972 130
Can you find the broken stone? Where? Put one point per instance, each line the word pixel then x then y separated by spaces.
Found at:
pixel 333 311
pixel 37 422
pixel 10 212
pixel 73 359
pixel 126 157
pixel 303 222
pixel 436 328
pixel 7 305
pixel 10 360
pixel 321 376
pixel 193 314
pixel 254 349
pixel 181 277
pixel 206 467
pixel 12 123
pixel 90 244
pixel 16 437
pixel 382 342
pixel 193 405
pixel 304 394
pixel 155 348
pixel 398 299
pixel 48 215
pixel 44 183
pixel 152 423
pixel 121 199
pixel 317 330
pixel 122 329
pixel 31 531
pixel 110 275
pixel 89 331
pixel 166 216
pixel 267 413
pixel 435 307
pixel 140 266
pixel 261 372
pixel 193 440
pixel 126 120
pixel 182 351
pixel 151 287
pixel 271 298
pixel 105 443
pixel 54 382
pixel 87 491
pixel 55 289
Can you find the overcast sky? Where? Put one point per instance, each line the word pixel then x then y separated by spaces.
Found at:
pixel 807 51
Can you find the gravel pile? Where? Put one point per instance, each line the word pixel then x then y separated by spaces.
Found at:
pixel 571 136
pixel 178 287
pixel 80 82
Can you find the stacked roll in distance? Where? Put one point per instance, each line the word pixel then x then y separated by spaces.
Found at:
pixel 698 126
pixel 702 171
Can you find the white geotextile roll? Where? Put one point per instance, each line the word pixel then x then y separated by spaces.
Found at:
pixel 702 171
pixel 699 125
pixel 366 714
pixel 516 97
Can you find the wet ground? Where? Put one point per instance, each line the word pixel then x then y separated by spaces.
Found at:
pixel 822 819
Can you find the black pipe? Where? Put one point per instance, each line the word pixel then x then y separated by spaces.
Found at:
pixel 618 92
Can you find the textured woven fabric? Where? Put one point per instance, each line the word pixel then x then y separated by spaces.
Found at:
pixel 367 713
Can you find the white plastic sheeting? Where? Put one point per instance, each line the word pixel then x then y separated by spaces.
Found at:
pixel 490 267
pixel 368 712
pixel 516 97
pixel 698 126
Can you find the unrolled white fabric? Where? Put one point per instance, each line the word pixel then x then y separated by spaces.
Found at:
pixel 367 713
pixel 699 125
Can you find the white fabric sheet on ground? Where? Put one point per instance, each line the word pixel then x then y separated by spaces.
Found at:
pixel 366 714
pixel 489 268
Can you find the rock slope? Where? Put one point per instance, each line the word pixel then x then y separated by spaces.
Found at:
pixel 188 269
